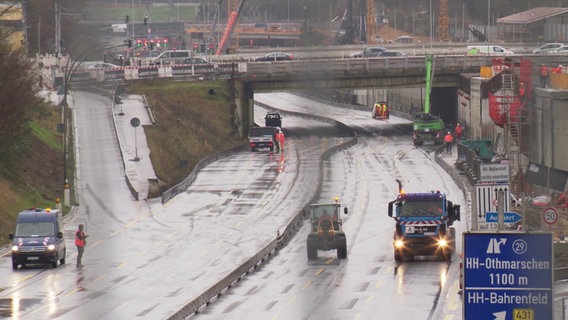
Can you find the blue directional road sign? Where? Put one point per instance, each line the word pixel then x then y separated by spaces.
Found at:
pixel 509 217
pixel 507 276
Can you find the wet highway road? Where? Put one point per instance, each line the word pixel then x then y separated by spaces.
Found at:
pixel 145 260
pixel 369 284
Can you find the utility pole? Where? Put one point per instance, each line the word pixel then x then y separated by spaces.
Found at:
pixel 57 29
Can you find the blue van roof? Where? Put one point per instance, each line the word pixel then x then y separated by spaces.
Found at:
pixel 37 215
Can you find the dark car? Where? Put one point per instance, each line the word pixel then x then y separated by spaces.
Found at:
pixel 275 56
pixel 369 52
pixel 273 119
pixel 391 53
pixel 194 60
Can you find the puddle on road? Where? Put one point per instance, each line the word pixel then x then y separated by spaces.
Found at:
pixel 11 307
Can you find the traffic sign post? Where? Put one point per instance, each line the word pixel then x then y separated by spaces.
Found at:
pixel 135 122
pixel 507 276
pixel 550 215
pixel 509 217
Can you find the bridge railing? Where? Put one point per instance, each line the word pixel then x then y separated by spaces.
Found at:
pixel 336 66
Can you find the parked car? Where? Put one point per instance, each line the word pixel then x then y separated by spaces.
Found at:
pixel 548 47
pixel 391 53
pixel 275 56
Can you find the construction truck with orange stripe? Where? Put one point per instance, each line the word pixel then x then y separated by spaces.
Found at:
pixel 423 224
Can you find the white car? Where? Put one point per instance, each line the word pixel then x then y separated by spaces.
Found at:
pixel 547 47
pixel 103 65
pixel 560 50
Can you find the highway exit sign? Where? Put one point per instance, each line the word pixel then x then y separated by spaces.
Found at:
pixel 507 276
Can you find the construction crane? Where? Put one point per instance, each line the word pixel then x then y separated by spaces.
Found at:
pixel 370 25
pixel 233 15
pixel 444 22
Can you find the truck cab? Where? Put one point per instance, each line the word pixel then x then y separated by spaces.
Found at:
pixel 423 223
pixel 273 119
pixel 38 238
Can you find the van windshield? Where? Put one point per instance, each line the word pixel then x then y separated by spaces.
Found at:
pixel 30 230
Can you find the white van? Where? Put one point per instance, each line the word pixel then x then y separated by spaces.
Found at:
pixel 171 57
pixel 490 49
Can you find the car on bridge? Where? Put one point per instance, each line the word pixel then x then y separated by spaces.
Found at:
pixel 547 48
pixel 560 50
pixel 275 56
pixel 194 60
pixel 391 53
pixel 369 52
pixel 102 65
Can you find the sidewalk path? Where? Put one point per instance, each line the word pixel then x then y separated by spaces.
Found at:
pixel 133 144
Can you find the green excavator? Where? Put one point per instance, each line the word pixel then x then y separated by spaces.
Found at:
pixel 427 126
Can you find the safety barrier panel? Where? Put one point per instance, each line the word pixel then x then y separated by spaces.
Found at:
pixel 165 72
pixel 130 73
pixel 559 80
pixel 486 72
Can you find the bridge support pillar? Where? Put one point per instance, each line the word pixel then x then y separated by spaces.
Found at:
pixel 243 107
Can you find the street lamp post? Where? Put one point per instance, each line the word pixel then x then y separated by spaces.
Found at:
pixel 431 27
pixel 305 20
pixel 413 15
pixel 288 11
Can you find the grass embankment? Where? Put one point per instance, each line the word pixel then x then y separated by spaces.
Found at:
pixel 31 175
pixel 193 120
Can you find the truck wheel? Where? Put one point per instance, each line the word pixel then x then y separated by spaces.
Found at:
pixel 312 252
pixel 62 260
pixel 342 248
pixel 252 149
pixel 54 263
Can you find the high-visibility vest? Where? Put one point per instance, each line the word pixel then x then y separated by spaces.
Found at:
pixel 78 241
pixel 448 138
pixel 544 71
pixel 459 130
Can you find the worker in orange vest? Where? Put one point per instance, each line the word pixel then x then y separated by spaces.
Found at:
pixel 543 75
pixel 458 131
pixel 522 91
pixel 449 140
pixel 80 242
pixel 280 138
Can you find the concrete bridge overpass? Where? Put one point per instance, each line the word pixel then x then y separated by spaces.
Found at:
pixel 406 72
pixel 329 73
